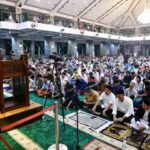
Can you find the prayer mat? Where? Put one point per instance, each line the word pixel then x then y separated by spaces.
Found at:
pixel 136 138
pixel 121 132
pixel 98 145
pixel 146 143
pixel 89 120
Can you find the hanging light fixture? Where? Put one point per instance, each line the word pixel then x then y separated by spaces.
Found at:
pixel 144 17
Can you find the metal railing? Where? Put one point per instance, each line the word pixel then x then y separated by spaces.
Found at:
pixel 7 16
pixel 42 18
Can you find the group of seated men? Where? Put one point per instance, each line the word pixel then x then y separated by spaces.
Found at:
pixel 113 88
pixel 118 108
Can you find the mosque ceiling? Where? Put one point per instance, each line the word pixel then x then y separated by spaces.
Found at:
pixel 112 13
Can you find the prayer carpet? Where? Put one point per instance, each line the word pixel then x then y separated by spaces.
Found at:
pixel 98 145
pixel 121 132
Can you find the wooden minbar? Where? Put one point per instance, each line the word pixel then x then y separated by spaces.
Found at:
pixel 14 99
pixel 16 72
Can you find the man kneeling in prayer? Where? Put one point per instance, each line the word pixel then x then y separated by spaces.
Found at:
pixel 142 116
pixel 123 108
pixel 71 98
pixel 90 99
pixel 105 103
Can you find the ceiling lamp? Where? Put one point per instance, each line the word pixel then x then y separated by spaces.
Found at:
pixel 144 17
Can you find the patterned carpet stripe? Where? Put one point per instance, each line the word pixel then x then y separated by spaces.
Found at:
pixel 23 140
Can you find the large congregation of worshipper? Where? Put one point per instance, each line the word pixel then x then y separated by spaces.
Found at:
pixel 113 88
pixel 75 74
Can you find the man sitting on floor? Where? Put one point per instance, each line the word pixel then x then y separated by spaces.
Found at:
pixel 116 86
pixel 71 98
pixel 45 87
pixel 142 115
pixel 123 108
pixel 107 98
pixel 80 84
pixel 90 99
pixel 131 91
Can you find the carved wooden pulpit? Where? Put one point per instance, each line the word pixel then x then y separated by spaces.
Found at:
pixel 14 74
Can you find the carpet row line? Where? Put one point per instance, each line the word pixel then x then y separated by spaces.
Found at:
pixel 97 135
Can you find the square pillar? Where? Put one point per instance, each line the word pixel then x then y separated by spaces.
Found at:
pixel 72 48
pixel 136 50
pixel 17 44
pixel 32 51
pixel 103 49
pixel 49 46
pixel 90 49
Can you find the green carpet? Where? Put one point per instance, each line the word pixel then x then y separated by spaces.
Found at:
pixel 42 132
pixel 48 130
pixel 11 141
pixel 50 101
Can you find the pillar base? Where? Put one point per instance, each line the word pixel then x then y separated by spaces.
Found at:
pixel 61 147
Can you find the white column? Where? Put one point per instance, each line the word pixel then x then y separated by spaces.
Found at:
pixel 136 50
pixel 17 44
pixel 72 48
pixel 90 49
pixel 103 49
pixel 53 47
pixel 113 49
pixel 145 50
pixel 49 46
pixel 32 50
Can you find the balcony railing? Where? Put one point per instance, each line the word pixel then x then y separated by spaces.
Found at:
pixel 46 19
